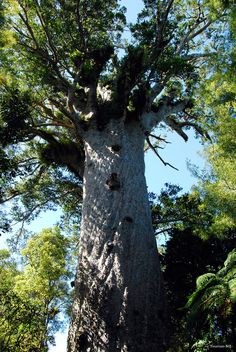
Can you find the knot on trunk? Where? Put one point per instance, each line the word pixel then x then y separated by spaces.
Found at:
pixel 113 183
pixel 128 219
pixel 116 148
pixel 83 341
pixel 110 246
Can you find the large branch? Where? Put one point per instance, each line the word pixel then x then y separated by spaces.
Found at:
pixel 80 25
pixel 68 154
pixel 161 112
pixel 175 126
pixel 198 56
pixel 163 21
pixel 48 114
pixel 58 81
pixel 168 8
pixel 153 93
pixel 196 127
pixel 72 116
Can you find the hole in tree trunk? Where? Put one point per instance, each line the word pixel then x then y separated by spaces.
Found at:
pixel 116 148
pixel 83 341
pixel 113 183
pixel 128 219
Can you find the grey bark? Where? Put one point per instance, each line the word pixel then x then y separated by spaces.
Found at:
pixel 118 304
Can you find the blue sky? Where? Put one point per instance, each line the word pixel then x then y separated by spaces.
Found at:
pixel 177 153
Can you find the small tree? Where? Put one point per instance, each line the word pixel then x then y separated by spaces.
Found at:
pixel 31 299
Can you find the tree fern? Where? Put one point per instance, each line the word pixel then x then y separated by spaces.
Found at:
pixel 212 306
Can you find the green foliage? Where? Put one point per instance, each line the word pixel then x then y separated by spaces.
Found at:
pixel 186 256
pixel 25 174
pixel 56 56
pixel 213 302
pixel 14 113
pixel 191 249
pixel 45 256
pixel 70 39
pixel 33 299
pixel 217 105
pixel 173 210
pixel 8 270
pixel 22 328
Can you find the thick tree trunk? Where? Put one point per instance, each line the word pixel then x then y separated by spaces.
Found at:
pixel 118 304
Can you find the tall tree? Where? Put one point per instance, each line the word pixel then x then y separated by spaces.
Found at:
pixel 71 100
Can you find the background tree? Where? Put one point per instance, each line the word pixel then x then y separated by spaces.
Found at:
pixel 190 249
pixel 174 210
pixel 33 298
pixel 73 107
pixel 216 101
pixel 212 309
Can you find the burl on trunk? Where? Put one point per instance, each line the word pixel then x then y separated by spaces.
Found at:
pixel 118 305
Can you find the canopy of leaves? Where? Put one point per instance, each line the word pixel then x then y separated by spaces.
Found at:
pixel 62 72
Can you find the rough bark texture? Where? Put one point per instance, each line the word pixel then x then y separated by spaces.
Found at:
pixel 118 305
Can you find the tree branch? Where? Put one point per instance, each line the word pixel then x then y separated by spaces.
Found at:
pixel 163 230
pixel 154 92
pixel 196 56
pixel 39 50
pixel 45 28
pixel 72 116
pixel 191 35
pixel 174 125
pixel 199 129
pixel 159 138
pixel 26 22
pixel 80 25
pixel 49 114
pixel 168 8
pixel 158 155
pixel 161 112
pixel 14 193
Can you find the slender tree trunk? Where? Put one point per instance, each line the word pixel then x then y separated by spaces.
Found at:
pixel 118 305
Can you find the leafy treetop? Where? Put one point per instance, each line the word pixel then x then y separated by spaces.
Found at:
pixel 62 74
